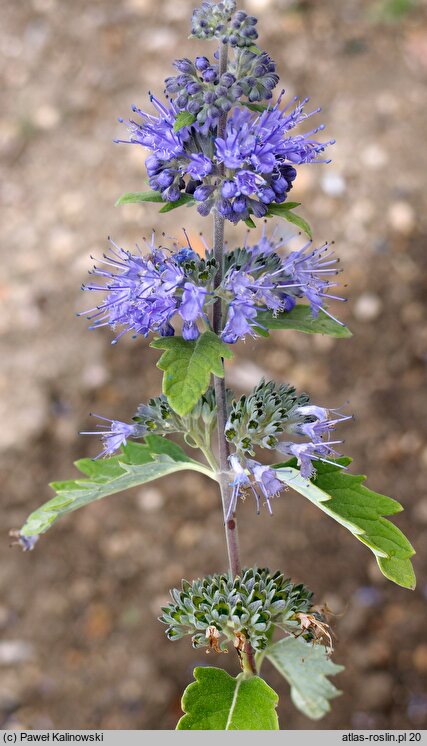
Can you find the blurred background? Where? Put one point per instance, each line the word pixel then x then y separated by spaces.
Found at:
pixel 80 645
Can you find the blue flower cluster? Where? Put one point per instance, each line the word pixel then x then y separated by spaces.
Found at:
pixel 239 174
pixel 231 153
pixel 145 293
pixel 200 90
pixel 258 278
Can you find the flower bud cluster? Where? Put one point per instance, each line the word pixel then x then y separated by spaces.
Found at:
pixel 258 419
pixel 157 417
pixel 222 21
pixel 200 90
pixel 248 605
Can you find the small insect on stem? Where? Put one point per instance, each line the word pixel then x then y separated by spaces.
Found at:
pixel 319 629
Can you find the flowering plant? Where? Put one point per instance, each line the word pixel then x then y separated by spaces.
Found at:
pixel 219 142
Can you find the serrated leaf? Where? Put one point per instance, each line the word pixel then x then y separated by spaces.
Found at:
pixel 285 212
pixel 183 119
pixel 217 701
pixel 302 319
pixel 132 197
pixel 185 199
pixel 306 666
pixel 188 366
pixel 344 497
pixel 136 464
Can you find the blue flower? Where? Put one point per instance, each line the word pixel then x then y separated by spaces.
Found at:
pixel 27 543
pixel 249 475
pixel 261 152
pixel 148 293
pixel 199 166
pixel 239 323
pixel 191 309
pixel 306 454
pixel 316 424
pixel 116 436
pixel 312 268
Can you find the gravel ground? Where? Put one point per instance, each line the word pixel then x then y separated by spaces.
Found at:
pixel 80 645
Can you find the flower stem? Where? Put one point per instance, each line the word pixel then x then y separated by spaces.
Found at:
pixel 230 522
pixel 219 383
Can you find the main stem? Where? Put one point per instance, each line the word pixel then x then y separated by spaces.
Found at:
pixel 230 522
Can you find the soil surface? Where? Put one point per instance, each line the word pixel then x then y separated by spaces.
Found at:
pixel 80 645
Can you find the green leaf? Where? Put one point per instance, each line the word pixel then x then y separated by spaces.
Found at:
pixel 132 197
pixel 302 319
pixel 288 206
pixel 217 701
pixel 259 108
pixel 184 119
pixel 285 212
pixel 344 497
pixel 306 666
pixel 185 199
pixel 253 48
pixel 250 223
pixel 136 464
pixel 188 366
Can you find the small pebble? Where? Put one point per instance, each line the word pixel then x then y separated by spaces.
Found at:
pixel 333 184
pixel 246 374
pixel 368 596
pixel 401 216
pixel 46 117
pixel 374 157
pixel 420 658
pixel 13 652
pixel 367 307
pixel 150 500
pixel 417 709
pixel 377 691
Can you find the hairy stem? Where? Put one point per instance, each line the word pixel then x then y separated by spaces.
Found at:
pixel 219 383
pixel 230 521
